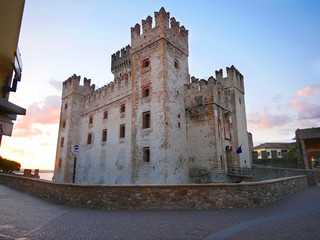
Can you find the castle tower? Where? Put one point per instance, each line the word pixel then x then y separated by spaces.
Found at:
pixel 234 82
pixel 159 57
pixel 70 115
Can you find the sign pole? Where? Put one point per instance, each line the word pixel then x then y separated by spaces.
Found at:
pixel 74 168
pixel 75 150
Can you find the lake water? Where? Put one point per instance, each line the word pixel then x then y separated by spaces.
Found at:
pixel 46 175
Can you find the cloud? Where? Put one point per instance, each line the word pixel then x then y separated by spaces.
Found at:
pixel 276 98
pixel 264 120
pixel 56 84
pixel 310 91
pixel 306 110
pixel 46 112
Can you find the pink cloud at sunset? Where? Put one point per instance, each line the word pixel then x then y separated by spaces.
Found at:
pixel 306 110
pixel 44 113
pixel 265 120
pixel 310 91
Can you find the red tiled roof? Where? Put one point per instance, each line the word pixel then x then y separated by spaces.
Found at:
pixel 275 145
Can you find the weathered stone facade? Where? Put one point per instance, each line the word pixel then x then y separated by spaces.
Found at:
pixel 153 124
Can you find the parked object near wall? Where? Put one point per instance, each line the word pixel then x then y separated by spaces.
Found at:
pixel 194 196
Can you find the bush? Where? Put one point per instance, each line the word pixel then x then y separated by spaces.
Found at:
pixel 8 166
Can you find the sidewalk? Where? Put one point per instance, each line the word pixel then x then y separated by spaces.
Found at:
pixel 26 217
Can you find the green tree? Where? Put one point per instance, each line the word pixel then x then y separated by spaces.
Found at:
pixel 8 166
pixel 291 151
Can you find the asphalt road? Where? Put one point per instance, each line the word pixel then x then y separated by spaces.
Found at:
pixel 26 217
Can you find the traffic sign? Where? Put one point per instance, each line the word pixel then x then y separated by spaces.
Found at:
pixel 76 149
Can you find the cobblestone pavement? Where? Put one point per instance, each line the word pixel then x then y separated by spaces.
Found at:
pixel 29 218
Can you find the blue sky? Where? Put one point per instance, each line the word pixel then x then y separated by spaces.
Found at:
pixel 274 44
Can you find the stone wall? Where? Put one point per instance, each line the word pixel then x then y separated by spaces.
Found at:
pixel 277 162
pixel 261 173
pixel 202 196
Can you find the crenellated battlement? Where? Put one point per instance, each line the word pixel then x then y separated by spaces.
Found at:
pixel 233 79
pixel 121 59
pixel 172 32
pixel 72 85
pixel 114 90
pixel 204 92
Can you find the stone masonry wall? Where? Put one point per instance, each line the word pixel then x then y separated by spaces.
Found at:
pixel 261 173
pixel 277 162
pixel 202 196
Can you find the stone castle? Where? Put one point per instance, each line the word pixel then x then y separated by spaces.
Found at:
pixel 153 124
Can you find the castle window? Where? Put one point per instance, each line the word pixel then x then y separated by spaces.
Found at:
pixel 90 119
pixel 62 142
pixel 60 162
pixel 146 92
pixel 239 100
pixel 146 120
pixel 176 63
pixel 122 130
pixel 65 105
pixel 64 124
pixel 146 63
pixel 89 139
pixel 146 154
pixel 123 108
pixel 104 135
pixel 178 124
pixel 105 115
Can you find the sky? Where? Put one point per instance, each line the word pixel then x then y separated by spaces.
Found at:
pixel 275 44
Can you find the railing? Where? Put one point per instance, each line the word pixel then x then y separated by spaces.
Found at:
pixel 239 171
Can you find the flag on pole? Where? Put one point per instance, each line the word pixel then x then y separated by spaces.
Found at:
pixel 239 150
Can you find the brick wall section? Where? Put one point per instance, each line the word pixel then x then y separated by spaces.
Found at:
pixel 277 162
pixel 261 173
pixel 202 196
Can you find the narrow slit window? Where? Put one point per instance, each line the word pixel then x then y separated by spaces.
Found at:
pixel 146 92
pixel 146 120
pixel 89 139
pixel 105 114
pixel 176 64
pixel 104 135
pixel 122 131
pixel 60 162
pixel 146 154
pixel 90 119
pixel 62 142
pixel 122 108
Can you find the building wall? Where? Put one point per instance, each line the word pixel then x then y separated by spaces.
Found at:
pixel 191 128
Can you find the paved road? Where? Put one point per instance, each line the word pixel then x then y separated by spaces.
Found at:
pixel 26 217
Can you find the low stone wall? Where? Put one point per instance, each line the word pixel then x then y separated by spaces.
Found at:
pixel 261 173
pixel 277 162
pixel 200 196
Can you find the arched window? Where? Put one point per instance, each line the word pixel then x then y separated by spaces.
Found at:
pixel 146 154
pixel 122 130
pixel 123 108
pixel 146 92
pixel 146 120
pixel 104 135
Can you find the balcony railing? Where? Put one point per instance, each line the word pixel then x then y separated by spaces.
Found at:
pixel 241 172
